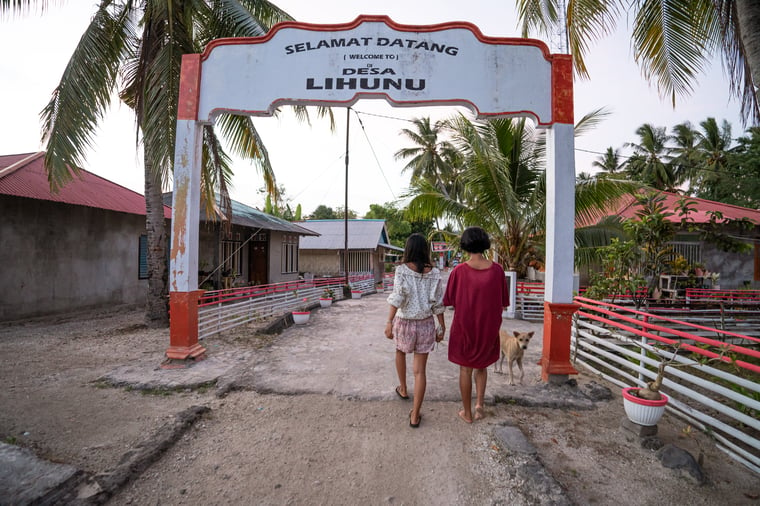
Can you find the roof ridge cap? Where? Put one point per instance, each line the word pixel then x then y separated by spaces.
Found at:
pixel 16 166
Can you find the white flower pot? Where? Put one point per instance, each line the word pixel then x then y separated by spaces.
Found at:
pixel 643 411
pixel 301 317
pixel 356 294
pixel 325 302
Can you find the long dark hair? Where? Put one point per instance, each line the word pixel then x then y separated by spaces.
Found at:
pixel 417 252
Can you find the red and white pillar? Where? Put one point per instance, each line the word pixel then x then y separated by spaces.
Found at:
pixel 560 226
pixel 183 270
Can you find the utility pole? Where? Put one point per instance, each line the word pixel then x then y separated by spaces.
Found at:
pixel 345 202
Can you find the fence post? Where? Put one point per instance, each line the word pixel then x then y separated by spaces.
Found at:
pixel 643 352
pixel 512 287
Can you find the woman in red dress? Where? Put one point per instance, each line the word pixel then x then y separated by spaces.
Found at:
pixel 477 289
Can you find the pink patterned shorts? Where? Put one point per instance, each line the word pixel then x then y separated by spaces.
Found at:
pixel 416 336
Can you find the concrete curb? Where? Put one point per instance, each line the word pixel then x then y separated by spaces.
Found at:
pixel 98 489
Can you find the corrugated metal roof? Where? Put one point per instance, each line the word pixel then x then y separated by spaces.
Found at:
pixel 362 234
pixel 24 175
pixel 247 216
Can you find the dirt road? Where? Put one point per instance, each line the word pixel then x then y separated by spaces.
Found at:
pixel 309 416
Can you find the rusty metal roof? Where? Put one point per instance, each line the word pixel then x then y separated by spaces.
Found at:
pixel 251 217
pixel 24 175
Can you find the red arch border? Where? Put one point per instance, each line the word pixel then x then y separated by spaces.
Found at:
pixel 561 64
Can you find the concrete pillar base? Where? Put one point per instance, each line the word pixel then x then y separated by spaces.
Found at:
pixel 555 356
pixel 194 352
pixel 183 329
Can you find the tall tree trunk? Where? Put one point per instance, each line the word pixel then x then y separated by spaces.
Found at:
pixel 156 308
pixel 748 16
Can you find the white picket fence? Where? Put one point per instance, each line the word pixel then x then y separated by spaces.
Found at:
pixel 624 346
pixel 222 310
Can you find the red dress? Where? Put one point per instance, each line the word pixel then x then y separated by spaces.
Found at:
pixel 478 297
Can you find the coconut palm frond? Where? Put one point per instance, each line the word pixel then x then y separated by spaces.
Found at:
pixel 68 122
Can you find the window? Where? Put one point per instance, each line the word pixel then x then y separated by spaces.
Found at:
pixel 691 251
pixel 142 257
pixel 358 261
pixel 233 258
pixel 289 254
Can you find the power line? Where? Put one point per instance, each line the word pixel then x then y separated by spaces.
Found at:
pixel 374 154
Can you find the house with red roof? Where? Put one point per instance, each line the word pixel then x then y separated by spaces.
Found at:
pixel 81 247
pixel 85 246
pixel 736 269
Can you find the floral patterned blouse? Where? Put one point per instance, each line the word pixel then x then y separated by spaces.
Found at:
pixel 417 296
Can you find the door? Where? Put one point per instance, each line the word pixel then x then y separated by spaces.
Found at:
pixel 258 260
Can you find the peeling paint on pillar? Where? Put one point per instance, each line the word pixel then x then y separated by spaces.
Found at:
pixel 179 219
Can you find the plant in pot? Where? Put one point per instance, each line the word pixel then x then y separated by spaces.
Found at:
pixel 301 314
pixel 326 299
pixel 645 406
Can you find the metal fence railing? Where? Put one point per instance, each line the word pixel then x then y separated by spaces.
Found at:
pixel 721 397
pixel 221 310
pixel 530 300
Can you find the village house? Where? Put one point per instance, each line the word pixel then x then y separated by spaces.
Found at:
pixel 736 270
pixel 81 247
pixel 257 248
pixel 85 246
pixel 369 248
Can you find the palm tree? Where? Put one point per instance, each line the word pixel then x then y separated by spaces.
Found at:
pixel 504 189
pixel 135 48
pixel 673 40
pixel 609 162
pixel 714 145
pixel 650 162
pixel 430 158
pixel 686 155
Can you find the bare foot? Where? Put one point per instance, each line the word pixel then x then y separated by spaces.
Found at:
pixel 479 413
pixel 464 417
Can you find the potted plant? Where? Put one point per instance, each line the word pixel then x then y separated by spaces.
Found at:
pixel 356 294
pixel 327 298
pixel 301 314
pixel 645 406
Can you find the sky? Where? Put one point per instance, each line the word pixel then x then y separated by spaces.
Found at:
pixel 309 160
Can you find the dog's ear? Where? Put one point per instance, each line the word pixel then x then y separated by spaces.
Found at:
pixel 516 333
pixel 530 334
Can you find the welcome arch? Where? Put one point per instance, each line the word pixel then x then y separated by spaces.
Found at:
pixel 374 57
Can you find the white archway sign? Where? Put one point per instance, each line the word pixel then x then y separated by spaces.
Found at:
pixel 373 57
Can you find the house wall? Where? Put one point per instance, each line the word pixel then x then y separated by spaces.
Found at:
pixel 320 262
pixel 734 268
pixel 59 257
pixel 275 259
pixel 379 261
pixel 210 254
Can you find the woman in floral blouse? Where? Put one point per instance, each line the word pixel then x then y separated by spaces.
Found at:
pixel 417 296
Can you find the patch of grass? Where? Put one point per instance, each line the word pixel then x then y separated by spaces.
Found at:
pixel 159 392
pixel 11 440
pixel 205 387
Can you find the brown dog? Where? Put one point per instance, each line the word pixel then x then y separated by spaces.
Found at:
pixel 513 348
